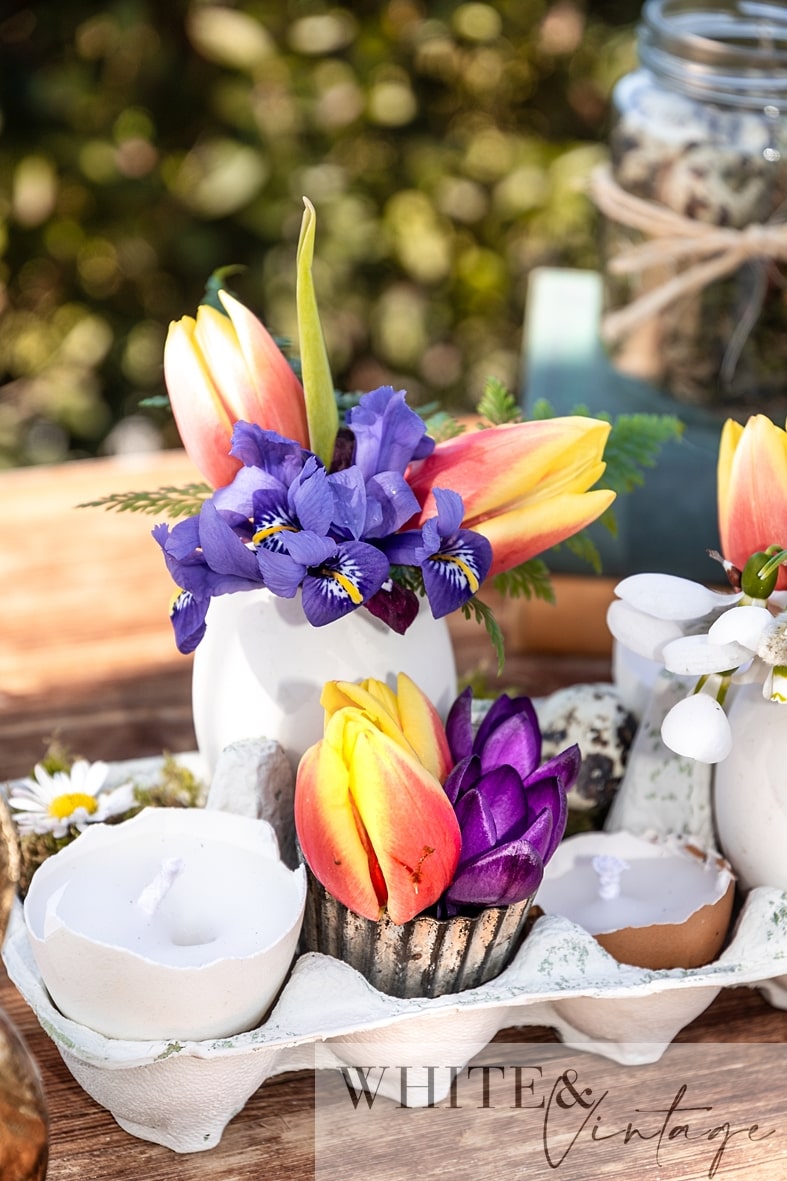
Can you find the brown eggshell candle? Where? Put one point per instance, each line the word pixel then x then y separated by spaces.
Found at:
pixel 653 904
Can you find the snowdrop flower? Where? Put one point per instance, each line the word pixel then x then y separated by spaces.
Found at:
pixel 720 638
pixel 652 610
pixel 53 803
pixel 698 728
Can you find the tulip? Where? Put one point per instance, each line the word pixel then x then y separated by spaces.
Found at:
pixel 407 716
pixel 752 490
pixel 375 826
pixel 524 485
pixel 222 369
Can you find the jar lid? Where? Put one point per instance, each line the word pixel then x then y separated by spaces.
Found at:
pixel 727 51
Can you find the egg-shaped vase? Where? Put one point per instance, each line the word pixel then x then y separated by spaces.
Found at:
pixel 750 791
pixel 261 666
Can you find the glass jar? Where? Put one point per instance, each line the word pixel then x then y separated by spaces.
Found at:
pixel 697 186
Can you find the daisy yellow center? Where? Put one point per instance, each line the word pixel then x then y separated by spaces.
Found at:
pixel 64 806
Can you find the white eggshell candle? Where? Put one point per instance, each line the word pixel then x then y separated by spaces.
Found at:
pixel 655 904
pixel 178 924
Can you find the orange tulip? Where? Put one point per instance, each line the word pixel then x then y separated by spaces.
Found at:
pixel 524 485
pixel 407 716
pixel 221 370
pixel 752 489
pixel 375 827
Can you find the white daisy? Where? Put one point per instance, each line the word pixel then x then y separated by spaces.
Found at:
pixel 52 803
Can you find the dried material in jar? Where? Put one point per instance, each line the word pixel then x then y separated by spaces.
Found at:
pixel 712 164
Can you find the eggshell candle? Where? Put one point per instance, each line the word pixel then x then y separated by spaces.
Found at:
pixel 178 924
pixel 652 904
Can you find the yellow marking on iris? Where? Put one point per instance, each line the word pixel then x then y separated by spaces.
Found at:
pixel 64 806
pixel 347 585
pixel 472 581
pixel 175 600
pixel 261 534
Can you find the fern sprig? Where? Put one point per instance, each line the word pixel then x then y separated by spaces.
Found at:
pixel 482 613
pixel 530 580
pixel 498 405
pixel 169 502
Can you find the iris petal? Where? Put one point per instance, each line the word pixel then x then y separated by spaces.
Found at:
pixel 187 614
pixel 454 574
pixel 343 582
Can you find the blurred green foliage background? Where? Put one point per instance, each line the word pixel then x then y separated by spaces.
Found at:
pixel 445 146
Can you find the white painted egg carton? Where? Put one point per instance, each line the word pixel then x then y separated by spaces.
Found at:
pixel 183 1094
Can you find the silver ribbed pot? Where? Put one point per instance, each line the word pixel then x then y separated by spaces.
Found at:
pixel 424 957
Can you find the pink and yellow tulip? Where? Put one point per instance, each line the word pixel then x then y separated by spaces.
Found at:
pixel 407 716
pixel 222 369
pixel 525 486
pixel 375 826
pixel 752 490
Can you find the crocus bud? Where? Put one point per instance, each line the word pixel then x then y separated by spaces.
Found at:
pixel 375 826
pixel 511 807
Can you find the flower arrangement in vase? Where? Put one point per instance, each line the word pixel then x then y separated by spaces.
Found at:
pixel 364 526
pixel 733 644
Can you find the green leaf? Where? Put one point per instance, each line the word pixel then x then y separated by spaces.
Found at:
pixel 530 580
pixel 155 402
pixel 169 502
pixel 482 613
pixel 442 426
pixel 498 405
pixel 218 282
pixel 585 548
pixel 322 415
pixel 634 443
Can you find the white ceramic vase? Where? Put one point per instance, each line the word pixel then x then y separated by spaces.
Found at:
pixel 260 668
pixel 750 791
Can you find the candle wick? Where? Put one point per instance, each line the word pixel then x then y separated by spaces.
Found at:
pixel 609 869
pixel 156 891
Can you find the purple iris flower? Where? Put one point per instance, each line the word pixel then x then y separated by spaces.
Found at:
pixel 454 561
pixel 335 578
pixel 511 808
pixel 205 557
pixel 388 434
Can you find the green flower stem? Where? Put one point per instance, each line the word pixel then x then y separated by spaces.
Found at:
pixel 321 412
pixel 726 681
pixel 779 558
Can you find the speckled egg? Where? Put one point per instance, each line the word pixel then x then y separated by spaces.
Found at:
pixel 596 719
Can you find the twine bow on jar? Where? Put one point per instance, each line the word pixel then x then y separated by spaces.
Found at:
pixel 713 252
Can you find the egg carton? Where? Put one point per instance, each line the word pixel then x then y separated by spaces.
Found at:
pixel 182 1094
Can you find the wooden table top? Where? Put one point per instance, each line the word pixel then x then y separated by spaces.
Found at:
pixel 86 652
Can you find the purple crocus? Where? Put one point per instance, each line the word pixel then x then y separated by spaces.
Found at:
pixel 511 808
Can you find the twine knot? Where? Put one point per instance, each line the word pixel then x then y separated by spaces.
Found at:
pixel 712 252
